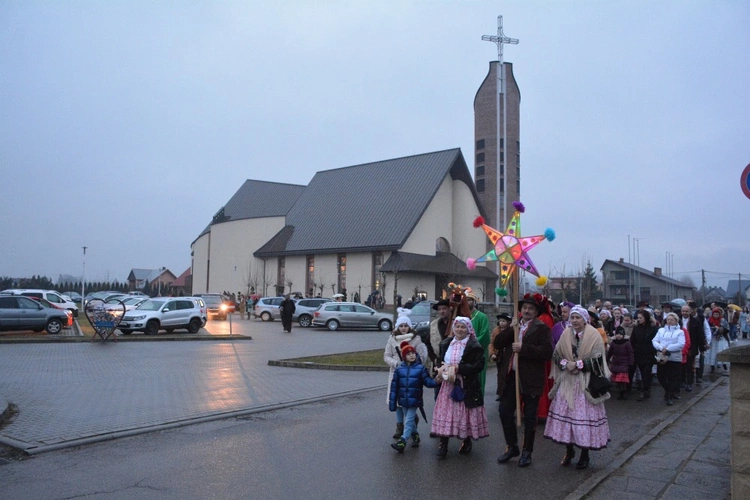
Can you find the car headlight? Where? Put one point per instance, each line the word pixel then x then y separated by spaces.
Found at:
pixel 137 318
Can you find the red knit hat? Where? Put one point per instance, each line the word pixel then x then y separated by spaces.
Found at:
pixel 406 348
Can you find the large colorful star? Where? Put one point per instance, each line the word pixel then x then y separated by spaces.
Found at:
pixel 510 248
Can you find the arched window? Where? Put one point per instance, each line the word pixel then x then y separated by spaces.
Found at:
pixel 442 245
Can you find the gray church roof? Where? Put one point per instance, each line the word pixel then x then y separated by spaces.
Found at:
pixel 255 199
pixel 441 263
pixel 373 206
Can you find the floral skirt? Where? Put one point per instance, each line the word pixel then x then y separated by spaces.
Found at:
pixel 454 419
pixel 585 425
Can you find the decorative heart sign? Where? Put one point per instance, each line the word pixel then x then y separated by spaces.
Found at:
pixel 104 317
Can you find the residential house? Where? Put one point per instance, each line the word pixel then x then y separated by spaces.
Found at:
pixel 625 283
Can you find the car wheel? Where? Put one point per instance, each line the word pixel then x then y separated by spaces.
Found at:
pixel 266 316
pixel 126 332
pixel 333 325
pixel 152 327
pixel 384 325
pixel 194 326
pixel 54 326
pixel 305 320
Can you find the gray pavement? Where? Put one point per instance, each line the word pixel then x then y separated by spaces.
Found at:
pixel 72 394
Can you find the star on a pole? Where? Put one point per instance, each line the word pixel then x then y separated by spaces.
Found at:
pixel 510 248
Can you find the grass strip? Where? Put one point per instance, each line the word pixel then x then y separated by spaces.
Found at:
pixel 360 358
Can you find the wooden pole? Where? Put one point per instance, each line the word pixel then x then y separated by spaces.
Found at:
pixel 514 298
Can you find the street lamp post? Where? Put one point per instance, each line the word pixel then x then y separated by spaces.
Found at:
pixel 83 280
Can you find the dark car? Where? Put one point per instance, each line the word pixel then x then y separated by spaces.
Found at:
pixel 22 313
pixel 214 306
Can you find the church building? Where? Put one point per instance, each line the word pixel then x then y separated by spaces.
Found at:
pixel 399 227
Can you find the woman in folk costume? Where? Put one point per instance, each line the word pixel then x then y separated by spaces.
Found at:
pixel 576 418
pixel 461 360
pixel 719 336
pixel 393 358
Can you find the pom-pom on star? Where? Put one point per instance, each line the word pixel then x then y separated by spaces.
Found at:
pixel 510 248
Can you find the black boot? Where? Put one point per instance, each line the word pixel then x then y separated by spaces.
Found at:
pixel 442 447
pixel 465 447
pixel 399 445
pixel 399 431
pixel 511 451
pixel 583 462
pixel 511 439
pixel 570 454
pixel 528 446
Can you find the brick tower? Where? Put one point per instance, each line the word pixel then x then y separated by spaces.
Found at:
pixel 486 121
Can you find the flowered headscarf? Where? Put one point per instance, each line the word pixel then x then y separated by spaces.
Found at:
pixel 466 321
pixel 579 310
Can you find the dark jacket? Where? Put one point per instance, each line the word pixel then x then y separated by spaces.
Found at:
pixel 536 350
pixel 697 335
pixel 470 366
pixel 407 383
pixel 504 353
pixel 287 308
pixel 620 356
pixel 641 339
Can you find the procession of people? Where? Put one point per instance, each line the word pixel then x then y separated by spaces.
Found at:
pixel 574 358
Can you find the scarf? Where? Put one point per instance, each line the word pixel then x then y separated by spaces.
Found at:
pixel 589 347
pixel 712 321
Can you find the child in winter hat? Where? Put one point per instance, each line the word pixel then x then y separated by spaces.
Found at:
pixel 406 393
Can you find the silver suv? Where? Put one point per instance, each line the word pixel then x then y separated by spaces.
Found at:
pixel 267 308
pixel 305 308
pixel 22 313
pixel 165 314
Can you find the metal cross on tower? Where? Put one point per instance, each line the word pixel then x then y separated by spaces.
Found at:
pixel 500 40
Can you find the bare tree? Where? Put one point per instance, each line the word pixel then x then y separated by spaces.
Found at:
pixel 289 284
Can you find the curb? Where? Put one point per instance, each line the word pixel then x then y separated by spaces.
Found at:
pixel 318 366
pixel 591 483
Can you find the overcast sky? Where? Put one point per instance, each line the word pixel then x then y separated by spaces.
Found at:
pixel 126 125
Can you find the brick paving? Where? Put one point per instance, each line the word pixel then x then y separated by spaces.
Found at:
pixel 68 394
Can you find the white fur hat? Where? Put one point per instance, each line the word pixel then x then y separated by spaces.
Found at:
pixel 403 317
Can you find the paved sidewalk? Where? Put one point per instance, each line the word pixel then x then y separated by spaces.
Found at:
pixel 684 457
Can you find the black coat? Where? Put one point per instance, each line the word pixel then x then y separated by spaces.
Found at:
pixel 287 309
pixel 697 336
pixel 536 350
pixel 642 347
pixel 470 366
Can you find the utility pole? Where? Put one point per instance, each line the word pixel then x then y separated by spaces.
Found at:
pixel 739 291
pixel 703 286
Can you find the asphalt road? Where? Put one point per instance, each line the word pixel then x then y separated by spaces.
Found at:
pixel 330 448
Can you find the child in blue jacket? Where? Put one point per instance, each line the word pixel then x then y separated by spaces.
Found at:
pixel 406 392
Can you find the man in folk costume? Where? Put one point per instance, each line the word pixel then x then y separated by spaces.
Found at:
pixel 481 326
pixel 439 328
pixel 530 356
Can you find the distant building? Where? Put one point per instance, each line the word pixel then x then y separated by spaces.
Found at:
pixel 395 226
pixel 710 294
pixel 140 279
pixel 624 283
pixel 737 288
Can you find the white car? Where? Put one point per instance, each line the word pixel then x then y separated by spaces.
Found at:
pixel 168 313
pixel 50 295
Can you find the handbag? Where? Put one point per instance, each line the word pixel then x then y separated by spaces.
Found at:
pixel 458 394
pixel 661 358
pixel 599 385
